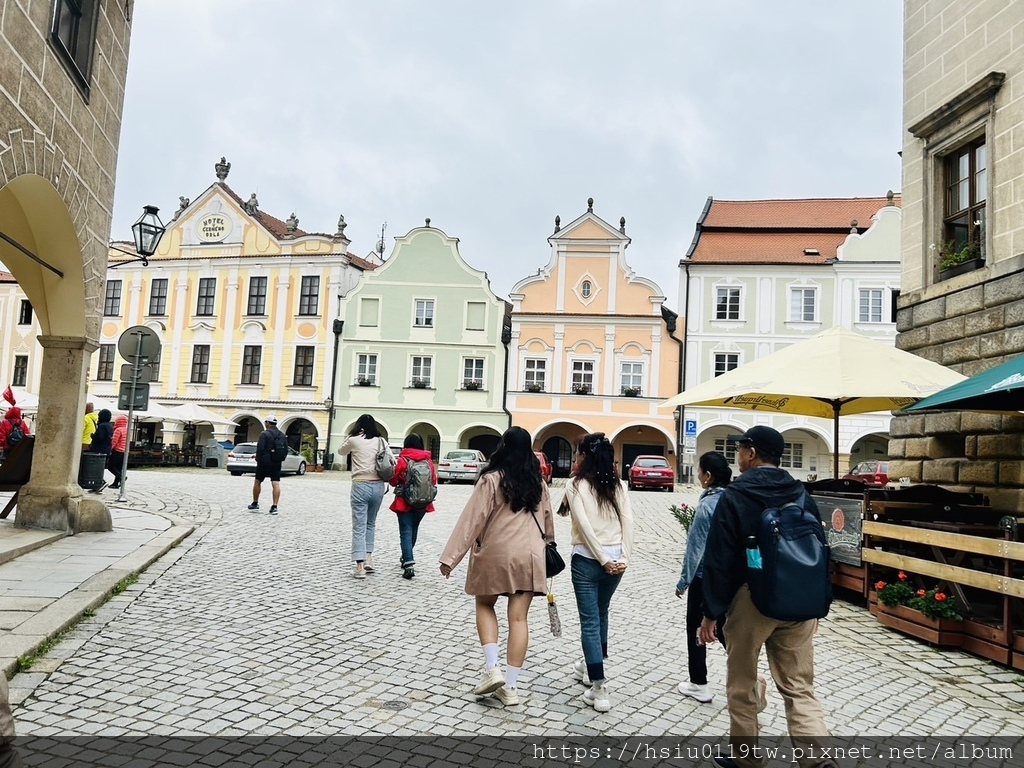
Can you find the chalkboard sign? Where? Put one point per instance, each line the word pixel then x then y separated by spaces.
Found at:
pixel 842 518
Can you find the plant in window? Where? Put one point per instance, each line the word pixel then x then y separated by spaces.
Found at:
pixel 533 386
pixel 364 381
pixel 952 256
pixel 631 391
pixel 471 384
pixel 421 383
pixel 581 388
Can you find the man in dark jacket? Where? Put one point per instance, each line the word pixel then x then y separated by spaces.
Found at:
pixel 727 597
pixel 267 465
pixel 102 439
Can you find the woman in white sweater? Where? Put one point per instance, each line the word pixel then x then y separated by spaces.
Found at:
pixel 364 443
pixel 602 539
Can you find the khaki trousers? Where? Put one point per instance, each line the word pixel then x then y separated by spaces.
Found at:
pixel 791 660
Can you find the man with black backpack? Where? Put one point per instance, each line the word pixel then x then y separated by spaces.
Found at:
pixel 271 451
pixel 766 575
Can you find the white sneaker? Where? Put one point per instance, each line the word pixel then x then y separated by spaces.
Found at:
pixel 699 692
pixel 507 695
pixel 597 697
pixel 492 680
pixel 579 671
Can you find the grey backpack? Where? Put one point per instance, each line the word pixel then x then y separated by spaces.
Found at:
pixel 419 489
pixel 386 461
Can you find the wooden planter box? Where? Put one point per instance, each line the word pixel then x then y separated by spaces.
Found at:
pixel 945 633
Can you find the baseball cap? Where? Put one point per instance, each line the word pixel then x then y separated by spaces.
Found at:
pixel 271 419
pixel 765 439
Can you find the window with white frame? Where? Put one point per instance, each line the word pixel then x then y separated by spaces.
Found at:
pixel 631 378
pixel 422 370
pixel 727 304
pixel 105 370
pixel 309 295
pixel 257 296
pixel 112 299
pixel 473 373
pixel 869 305
pixel 366 369
pixel 793 456
pixel 25 313
pixel 158 297
pixel 726 361
pixel 200 364
pixel 726 448
pixel 583 376
pixel 252 358
pixel 424 313
pixel 535 374
pixel 803 305
pixel 302 376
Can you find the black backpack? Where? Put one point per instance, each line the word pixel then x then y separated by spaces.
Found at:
pixel 16 435
pixel 787 564
pixel 280 450
pixel 419 489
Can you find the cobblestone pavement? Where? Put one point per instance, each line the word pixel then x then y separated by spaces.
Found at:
pixel 254 625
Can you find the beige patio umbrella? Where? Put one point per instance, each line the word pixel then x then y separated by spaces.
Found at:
pixel 193 413
pixel 835 373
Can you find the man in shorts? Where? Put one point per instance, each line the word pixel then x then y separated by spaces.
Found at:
pixel 267 465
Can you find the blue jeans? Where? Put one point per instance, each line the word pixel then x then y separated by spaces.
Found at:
pixel 594 589
pixel 408 527
pixel 366 500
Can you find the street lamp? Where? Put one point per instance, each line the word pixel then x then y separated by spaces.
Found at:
pixel 147 231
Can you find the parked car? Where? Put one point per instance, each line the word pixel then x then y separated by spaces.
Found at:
pixel 242 458
pixel 651 472
pixel 463 464
pixel 873 473
pixel 545 466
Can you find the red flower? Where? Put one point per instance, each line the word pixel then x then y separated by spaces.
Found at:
pixel 903 576
pixel 921 593
pixel 940 596
pixel 880 585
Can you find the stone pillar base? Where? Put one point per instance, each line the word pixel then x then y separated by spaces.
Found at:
pixel 61 509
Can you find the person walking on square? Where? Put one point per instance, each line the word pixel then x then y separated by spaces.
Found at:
pixel 271 449
pixel 409 516
pixel 88 426
pixel 789 644
pixel 364 442
pixel 499 530
pixel 102 439
pixel 713 474
pixel 602 542
pixel 118 445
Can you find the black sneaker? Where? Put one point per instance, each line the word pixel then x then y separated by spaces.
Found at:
pixel 273 509
pixel 408 573
pixel 254 507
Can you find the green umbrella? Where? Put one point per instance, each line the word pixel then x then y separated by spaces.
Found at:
pixel 998 390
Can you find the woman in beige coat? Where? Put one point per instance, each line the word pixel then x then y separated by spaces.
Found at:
pixel 500 528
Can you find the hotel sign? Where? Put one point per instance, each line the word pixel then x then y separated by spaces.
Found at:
pixel 214 227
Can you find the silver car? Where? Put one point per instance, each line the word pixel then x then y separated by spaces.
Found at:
pixel 463 464
pixel 242 458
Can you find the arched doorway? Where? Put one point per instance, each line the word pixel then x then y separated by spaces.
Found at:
pixel 243 432
pixel 430 437
pixel 559 452
pixel 483 439
pixel 301 434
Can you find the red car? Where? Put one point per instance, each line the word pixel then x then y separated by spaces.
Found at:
pixel 872 473
pixel 651 472
pixel 545 466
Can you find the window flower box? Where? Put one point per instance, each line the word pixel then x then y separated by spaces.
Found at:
pixel 471 384
pixel 581 389
pixel 420 383
pixel 631 391
pixel 534 387
pixel 953 261
pixel 363 381
pixel 945 633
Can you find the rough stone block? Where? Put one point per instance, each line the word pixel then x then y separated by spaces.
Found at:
pixel 1003 290
pixel 988 321
pixel 971 446
pixel 914 339
pixel 992 345
pixel 907 426
pixel 979 423
pixel 942 471
pixel 960 351
pixel 897 448
pixel 1013 423
pixel 1009 500
pixel 917 448
pixel 904 320
pixel 1013 341
pixel 1011 473
pixel 904 468
pixel 999 446
pixel 930 312
pixel 965 302
pixel 946 421
pixel 1013 313
pixel 979 472
pixel 951 329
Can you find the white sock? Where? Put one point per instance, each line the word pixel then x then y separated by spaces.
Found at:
pixel 490 655
pixel 512 676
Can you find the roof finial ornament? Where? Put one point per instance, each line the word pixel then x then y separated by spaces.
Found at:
pixel 222 168
pixel 558 223
pixel 293 222
pixel 341 226
pixel 182 205
pixel 853 227
pixel 427 222
pixel 622 224
pixel 590 205
pixel 889 196
pixel 252 205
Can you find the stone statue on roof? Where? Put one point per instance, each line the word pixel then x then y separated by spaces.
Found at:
pixel 222 169
pixel 341 226
pixel 252 205
pixel 292 223
pixel 182 205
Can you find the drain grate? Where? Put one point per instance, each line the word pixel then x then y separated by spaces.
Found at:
pixel 395 705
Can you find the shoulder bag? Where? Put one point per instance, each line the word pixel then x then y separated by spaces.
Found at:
pixel 553 562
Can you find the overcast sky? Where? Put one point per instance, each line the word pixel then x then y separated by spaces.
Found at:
pixel 491 118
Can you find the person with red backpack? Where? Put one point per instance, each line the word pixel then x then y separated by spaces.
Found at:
pixel 415 482
pixel 12 429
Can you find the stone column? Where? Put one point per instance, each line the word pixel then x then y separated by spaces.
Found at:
pixel 52 498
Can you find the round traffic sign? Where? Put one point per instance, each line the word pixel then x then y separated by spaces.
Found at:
pixel 128 343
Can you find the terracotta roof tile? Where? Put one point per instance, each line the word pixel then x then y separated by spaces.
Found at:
pixel 767 247
pixel 813 213
pixel 274 225
pixel 7 277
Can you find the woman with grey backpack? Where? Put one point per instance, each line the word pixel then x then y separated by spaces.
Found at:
pixel 415 483
pixel 364 443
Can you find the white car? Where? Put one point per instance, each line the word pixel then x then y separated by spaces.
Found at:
pixel 463 464
pixel 242 458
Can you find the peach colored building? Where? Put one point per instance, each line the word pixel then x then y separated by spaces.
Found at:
pixel 593 349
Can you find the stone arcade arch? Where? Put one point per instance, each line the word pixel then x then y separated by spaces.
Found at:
pixel 53 220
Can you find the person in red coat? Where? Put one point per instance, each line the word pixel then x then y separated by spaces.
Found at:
pixel 408 518
pixel 11 419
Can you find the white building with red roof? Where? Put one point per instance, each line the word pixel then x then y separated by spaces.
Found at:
pixel 763 274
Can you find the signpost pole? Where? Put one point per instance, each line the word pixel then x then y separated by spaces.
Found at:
pixel 136 363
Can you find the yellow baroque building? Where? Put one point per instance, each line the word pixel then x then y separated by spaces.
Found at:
pixel 594 349
pixel 243 304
